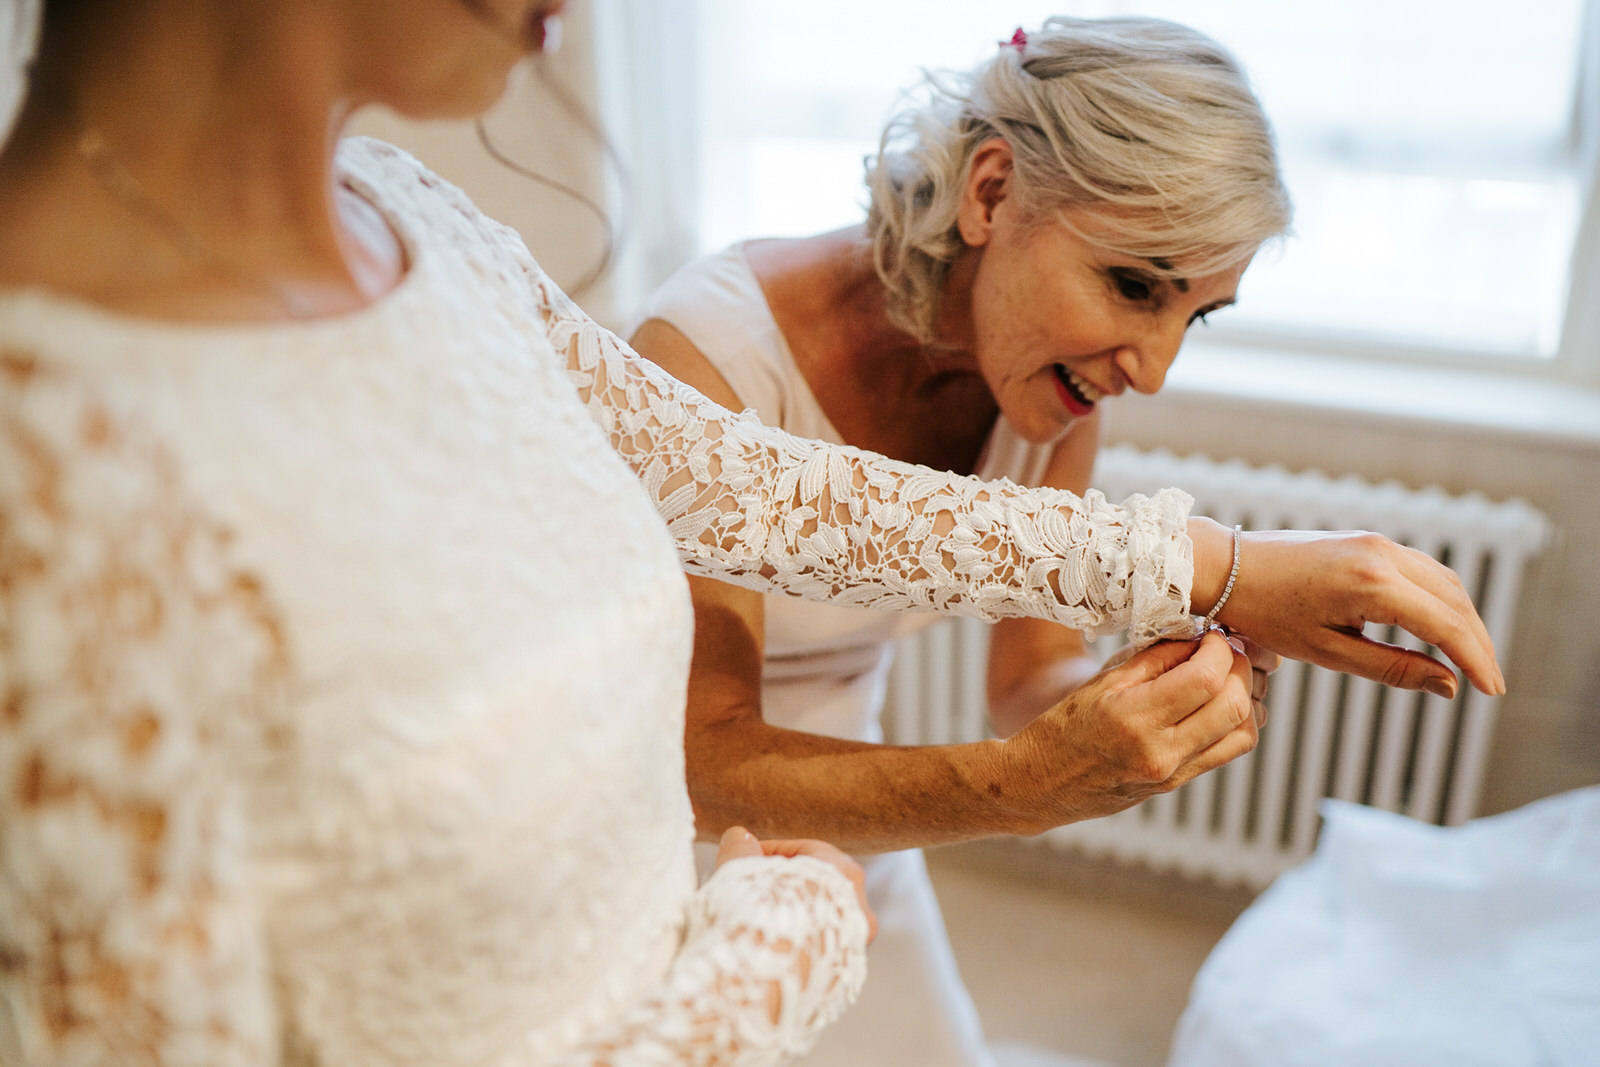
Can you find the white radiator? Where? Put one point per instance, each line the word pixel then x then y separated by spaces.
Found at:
pixel 1327 734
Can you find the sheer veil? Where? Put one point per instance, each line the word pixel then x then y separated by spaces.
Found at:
pixel 19 31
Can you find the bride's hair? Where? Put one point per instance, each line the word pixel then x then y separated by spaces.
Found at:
pixel 1149 124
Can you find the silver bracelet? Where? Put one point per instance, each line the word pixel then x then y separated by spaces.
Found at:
pixel 1233 576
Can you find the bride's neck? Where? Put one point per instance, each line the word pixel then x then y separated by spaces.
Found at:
pixel 220 116
pixel 183 165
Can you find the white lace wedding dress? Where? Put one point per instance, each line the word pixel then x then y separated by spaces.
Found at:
pixel 342 668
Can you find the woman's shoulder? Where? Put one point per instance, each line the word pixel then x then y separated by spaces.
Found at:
pixel 711 287
pixel 717 304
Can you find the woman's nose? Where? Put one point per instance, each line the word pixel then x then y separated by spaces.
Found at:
pixel 1145 363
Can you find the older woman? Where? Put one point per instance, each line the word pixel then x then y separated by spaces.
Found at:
pixel 1042 232
pixel 343 631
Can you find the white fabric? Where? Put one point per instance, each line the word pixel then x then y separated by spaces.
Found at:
pixel 1401 943
pixel 315 741
pixel 343 666
pixel 825 672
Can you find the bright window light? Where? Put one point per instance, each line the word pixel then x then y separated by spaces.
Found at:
pixel 1428 145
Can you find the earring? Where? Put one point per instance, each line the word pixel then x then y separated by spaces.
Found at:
pixel 549 36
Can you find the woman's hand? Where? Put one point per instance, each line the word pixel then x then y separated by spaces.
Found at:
pixel 737 843
pixel 1263 662
pixel 1144 726
pixel 1307 595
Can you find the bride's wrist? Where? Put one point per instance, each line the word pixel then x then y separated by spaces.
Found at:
pixel 1213 559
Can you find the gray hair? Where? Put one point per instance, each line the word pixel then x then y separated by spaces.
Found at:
pixel 1150 124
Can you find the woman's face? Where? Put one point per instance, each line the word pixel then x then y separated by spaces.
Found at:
pixel 1056 323
pixel 447 58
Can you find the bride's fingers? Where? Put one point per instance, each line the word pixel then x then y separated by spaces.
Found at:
pixel 1392 665
pixel 1433 577
pixel 736 843
pixel 1453 631
pixel 1261 658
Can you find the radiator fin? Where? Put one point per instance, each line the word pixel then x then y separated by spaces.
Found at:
pixel 1327 734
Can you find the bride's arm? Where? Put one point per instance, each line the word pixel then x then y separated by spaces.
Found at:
pixel 762 508
pixel 775 951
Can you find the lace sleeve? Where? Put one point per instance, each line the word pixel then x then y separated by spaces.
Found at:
pixel 775 951
pixel 761 508
pixel 126 935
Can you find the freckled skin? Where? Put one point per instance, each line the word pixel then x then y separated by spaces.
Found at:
pixel 1029 293
pixel 1042 295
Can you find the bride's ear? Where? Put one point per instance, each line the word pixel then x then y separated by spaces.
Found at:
pixel 987 184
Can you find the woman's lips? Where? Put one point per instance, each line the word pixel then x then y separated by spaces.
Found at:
pixel 1076 395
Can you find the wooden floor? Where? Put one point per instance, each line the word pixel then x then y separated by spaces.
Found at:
pixel 1088 960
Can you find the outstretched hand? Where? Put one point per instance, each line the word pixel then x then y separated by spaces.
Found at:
pixel 1307 595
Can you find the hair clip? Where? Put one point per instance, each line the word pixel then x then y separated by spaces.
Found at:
pixel 1019 40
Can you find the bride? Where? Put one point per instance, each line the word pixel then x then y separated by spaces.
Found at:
pixel 343 629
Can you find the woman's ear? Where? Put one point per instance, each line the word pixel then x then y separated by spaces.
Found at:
pixel 988 182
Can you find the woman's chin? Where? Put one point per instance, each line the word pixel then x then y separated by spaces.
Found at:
pixel 462 98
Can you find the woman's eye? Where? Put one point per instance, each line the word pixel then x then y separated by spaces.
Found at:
pixel 1201 319
pixel 1132 286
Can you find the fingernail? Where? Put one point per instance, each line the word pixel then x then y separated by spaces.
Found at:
pixel 1236 644
pixel 1440 687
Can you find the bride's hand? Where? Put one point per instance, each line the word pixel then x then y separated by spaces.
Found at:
pixel 1307 595
pixel 737 842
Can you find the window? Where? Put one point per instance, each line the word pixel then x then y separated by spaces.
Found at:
pixel 1436 150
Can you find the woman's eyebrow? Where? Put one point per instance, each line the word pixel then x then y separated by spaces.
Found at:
pixel 1180 284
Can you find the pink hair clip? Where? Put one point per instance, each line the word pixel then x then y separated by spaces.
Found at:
pixel 1019 40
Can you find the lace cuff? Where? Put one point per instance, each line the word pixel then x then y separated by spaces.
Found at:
pixel 775 951
pixel 762 508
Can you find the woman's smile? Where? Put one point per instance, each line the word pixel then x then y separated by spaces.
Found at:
pixel 1078 396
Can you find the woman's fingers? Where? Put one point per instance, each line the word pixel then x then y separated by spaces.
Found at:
pixel 1456 628
pixel 737 843
pixel 1229 747
pixel 1457 634
pixel 1229 707
pixel 1401 668
pixel 1128 667
pixel 1263 661
pixel 1307 594
pixel 1261 658
pixel 1182 677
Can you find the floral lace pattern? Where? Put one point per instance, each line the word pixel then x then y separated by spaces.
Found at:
pixel 124 930
pixel 758 507
pixel 766 964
